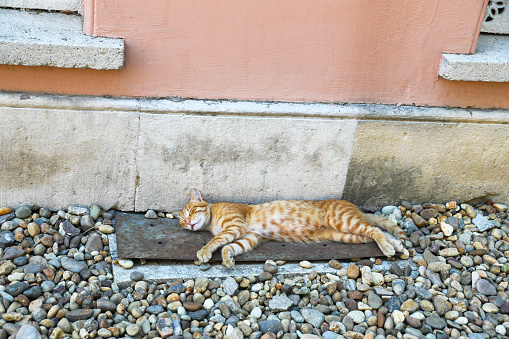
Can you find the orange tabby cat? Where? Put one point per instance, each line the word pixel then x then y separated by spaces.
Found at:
pixel 239 227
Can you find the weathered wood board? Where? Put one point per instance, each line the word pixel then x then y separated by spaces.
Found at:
pixel 163 238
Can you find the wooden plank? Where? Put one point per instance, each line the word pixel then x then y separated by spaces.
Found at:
pixel 162 238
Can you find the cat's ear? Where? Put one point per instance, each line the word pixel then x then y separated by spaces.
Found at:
pixel 196 195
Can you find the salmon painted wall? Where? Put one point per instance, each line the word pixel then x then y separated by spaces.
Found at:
pixel 299 50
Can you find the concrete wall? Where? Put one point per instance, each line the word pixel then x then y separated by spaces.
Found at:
pixel 136 154
pixel 300 50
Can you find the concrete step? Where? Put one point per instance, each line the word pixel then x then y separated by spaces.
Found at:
pixel 490 62
pixel 34 38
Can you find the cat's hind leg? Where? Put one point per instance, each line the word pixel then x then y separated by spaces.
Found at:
pixel 242 245
pixel 331 234
pixel 385 223
pixel 398 246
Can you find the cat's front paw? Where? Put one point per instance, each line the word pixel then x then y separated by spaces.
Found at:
pixel 387 249
pixel 204 255
pixel 228 260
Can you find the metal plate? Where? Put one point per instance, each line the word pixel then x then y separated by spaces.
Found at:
pixel 162 238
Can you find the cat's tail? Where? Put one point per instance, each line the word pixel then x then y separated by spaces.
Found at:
pixel 387 224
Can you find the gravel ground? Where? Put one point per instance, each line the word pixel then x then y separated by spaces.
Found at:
pixel 56 282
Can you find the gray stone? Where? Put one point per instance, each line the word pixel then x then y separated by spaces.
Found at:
pixel 436 322
pixel 86 222
pixel 47 286
pixel 17 288
pixel 73 265
pixel 230 286
pixel 198 315
pixel 33 292
pixel 297 317
pixel 28 331
pixel 421 292
pixel 280 303
pixel 6 238
pixel 95 211
pixel 77 210
pixel 39 314
pixel 64 325
pixel 331 335
pixel 374 301
pixel 79 314
pixel 69 228
pixel 106 305
pixel 482 223
pixel 23 212
pixel 13 252
pixel 8 226
pixel 485 287
pixel 454 222
pixel 94 243
pixel 429 257
pixel 39 249
pixel 33 268
pixel 313 317
pixel 45 212
pixel 156 309
pixel 272 325
pixel 6 217
pixel 243 297
pixel 136 276
pixel 398 286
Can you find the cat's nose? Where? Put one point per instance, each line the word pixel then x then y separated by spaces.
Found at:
pixel 188 221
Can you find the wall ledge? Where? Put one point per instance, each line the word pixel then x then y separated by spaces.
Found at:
pixel 54 39
pixel 489 63
pixel 177 106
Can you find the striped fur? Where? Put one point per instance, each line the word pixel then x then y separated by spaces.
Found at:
pixel 238 228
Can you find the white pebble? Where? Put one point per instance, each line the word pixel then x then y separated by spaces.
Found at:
pixel 446 228
pixel 126 263
pixel 208 304
pixel 363 307
pixel 256 312
pixel 461 321
pixel 500 330
pixel 305 264
pixel 377 278
pixel 357 316
pixel 398 316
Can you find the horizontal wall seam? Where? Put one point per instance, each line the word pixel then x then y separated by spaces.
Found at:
pixel 255 108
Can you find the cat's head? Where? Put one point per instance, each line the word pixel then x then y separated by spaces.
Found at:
pixel 195 215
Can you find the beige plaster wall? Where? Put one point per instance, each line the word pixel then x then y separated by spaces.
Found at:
pixel 139 154
pixel 427 162
pixel 299 50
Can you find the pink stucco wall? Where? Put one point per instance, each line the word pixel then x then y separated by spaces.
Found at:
pixel 289 50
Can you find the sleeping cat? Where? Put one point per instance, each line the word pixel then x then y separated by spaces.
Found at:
pixel 239 227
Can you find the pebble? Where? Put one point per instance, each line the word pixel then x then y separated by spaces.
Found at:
pixel 126 263
pixel 280 303
pixel 64 283
pixel 151 214
pixel 28 331
pixel 23 212
pixel 305 264
pixel 73 265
